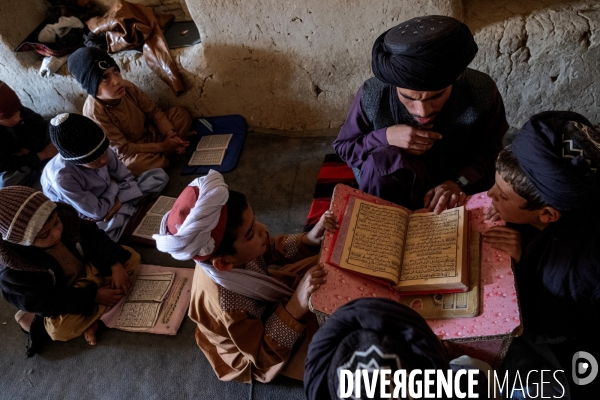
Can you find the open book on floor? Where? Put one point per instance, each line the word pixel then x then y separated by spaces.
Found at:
pixel 414 252
pixel 144 301
pixel 150 223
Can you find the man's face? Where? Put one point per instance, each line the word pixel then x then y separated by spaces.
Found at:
pixel 251 241
pixel 50 234
pixel 509 204
pixel 99 163
pixel 424 106
pixel 11 121
pixel 111 85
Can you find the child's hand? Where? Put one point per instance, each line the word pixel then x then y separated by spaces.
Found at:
pixel 108 297
pixel 315 236
pixel 312 280
pixel 174 144
pixel 48 152
pixel 115 209
pixel 505 239
pixel 491 214
pixel 119 278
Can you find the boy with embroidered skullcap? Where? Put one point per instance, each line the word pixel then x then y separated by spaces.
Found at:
pixel 61 268
pixel 252 321
pixel 90 177
pixel 370 334
pixel 548 189
pixel 25 143
pixel 139 132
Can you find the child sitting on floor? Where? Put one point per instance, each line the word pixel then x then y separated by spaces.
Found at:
pixel 253 321
pixel 89 176
pixel 548 185
pixel 25 143
pixel 61 268
pixel 139 132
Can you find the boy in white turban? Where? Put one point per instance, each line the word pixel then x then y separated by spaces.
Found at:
pixel 253 322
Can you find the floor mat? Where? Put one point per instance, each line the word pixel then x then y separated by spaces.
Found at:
pixel 332 172
pixel 227 124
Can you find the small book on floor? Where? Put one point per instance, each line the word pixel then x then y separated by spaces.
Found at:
pixel 211 150
pixel 150 224
pixel 413 252
pixel 141 309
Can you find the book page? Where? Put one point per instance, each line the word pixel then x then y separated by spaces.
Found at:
pixel 434 245
pixel 151 287
pixel 149 225
pixel 138 315
pixel 214 142
pixel 375 240
pixel 452 305
pixel 162 205
pixel 207 157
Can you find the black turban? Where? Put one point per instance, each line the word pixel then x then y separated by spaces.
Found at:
pixel 88 64
pixel 425 53
pixel 402 337
pixel 559 152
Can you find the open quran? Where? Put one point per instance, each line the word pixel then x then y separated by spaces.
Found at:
pixel 143 304
pixel 414 252
pixel 211 150
pixel 150 224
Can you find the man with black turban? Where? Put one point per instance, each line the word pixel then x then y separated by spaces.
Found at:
pixel 425 131
pixel 380 334
pixel 548 185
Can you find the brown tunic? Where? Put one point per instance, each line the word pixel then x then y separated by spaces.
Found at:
pixel 244 338
pixel 134 125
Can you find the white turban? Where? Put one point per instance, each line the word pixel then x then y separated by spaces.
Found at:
pixel 193 236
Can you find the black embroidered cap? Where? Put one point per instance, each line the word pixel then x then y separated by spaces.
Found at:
pixel 369 333
pixel 559 152
pixel 88 64
pixel 425 53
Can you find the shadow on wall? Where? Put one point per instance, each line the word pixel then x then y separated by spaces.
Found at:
pixel 481 13
pixel 238 81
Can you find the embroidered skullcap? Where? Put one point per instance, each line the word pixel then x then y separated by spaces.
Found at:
pixel 559 151
pixel 9 101
pixel 87 64
pixel 77 138
pixel 195 225
pixel 374 333
pixel 23 214
pixel 425 53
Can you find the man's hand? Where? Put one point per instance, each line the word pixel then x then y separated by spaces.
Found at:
pixel 119 278
pixel 115 209
pixel 298 304
pixel 505 239
pixel 491 214
pixel 108 296
pixel 48 152
pixel 443 196
pixel 413 140
pixel 316 234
